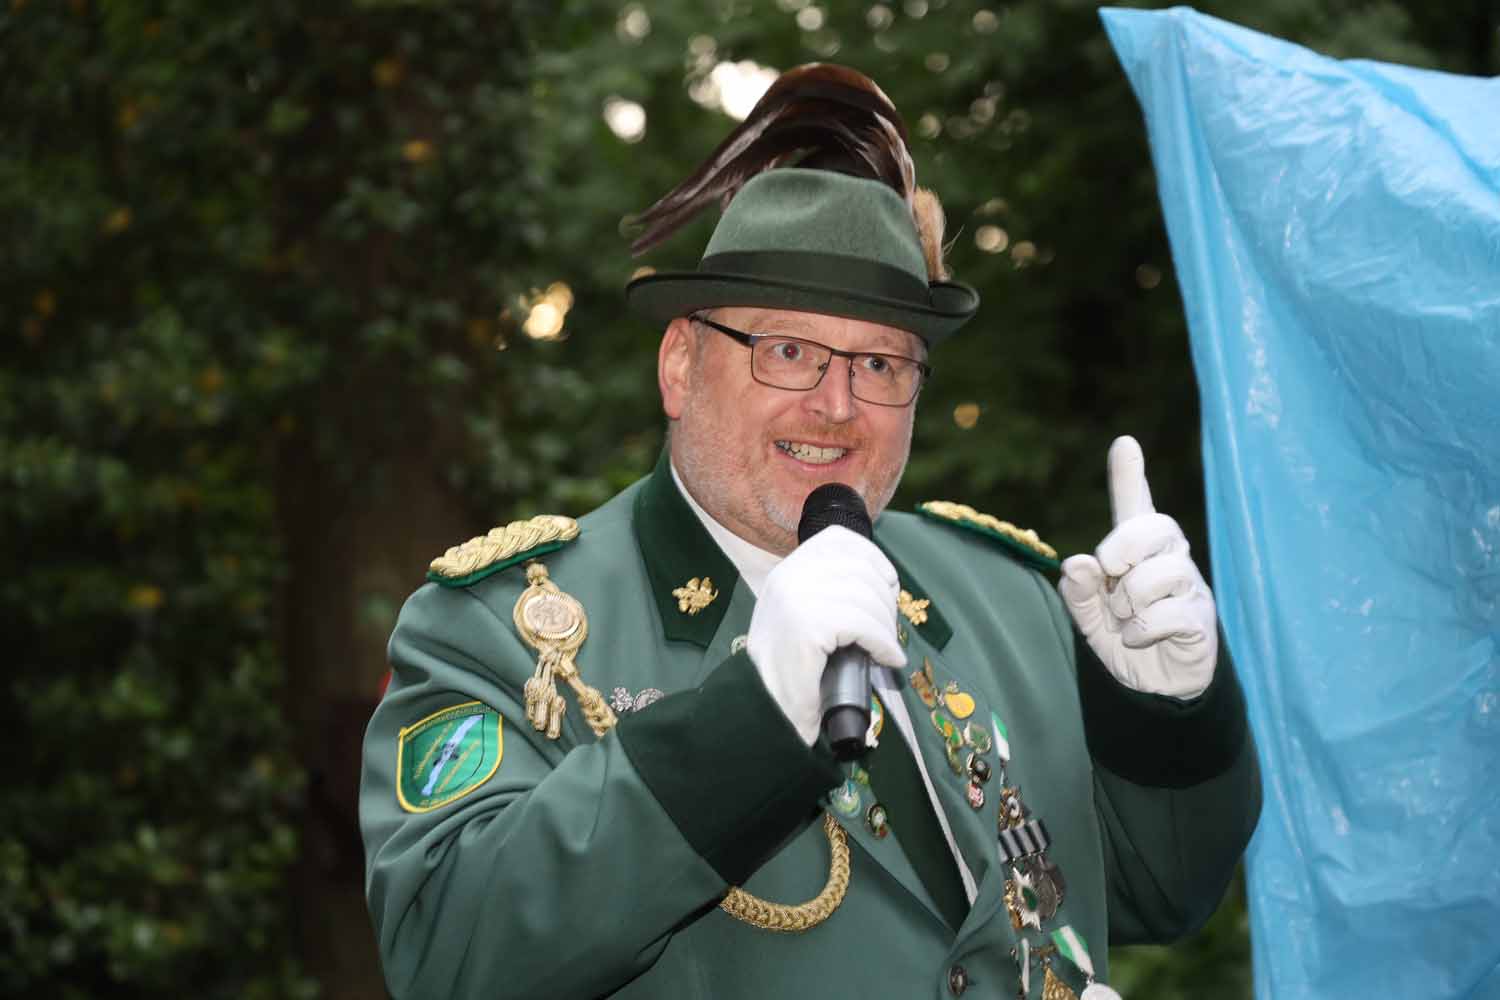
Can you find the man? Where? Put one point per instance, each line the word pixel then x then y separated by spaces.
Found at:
pixel 1021 804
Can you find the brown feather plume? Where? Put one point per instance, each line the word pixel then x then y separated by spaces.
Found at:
pixel 821 116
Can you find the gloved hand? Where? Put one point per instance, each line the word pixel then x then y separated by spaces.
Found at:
pixel 1139 600
pixel 835 589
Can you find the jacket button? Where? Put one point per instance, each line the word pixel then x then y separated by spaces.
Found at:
pixel 958 980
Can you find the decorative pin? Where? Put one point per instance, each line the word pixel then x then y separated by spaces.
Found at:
pixel 959 703
pixel 947 728
pixel 877 820
pixel 738 643
pixel 975 794
pixel 955 759
pixel 553 623
pixel 913 609
pixel 977 736
pixel 622 701
pixel 695 595
pixel 922 683
pixel 1012 809
pixel 845 798
pixel 877 717
pixel 979 769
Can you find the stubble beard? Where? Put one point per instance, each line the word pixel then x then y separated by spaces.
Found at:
pixel 733 489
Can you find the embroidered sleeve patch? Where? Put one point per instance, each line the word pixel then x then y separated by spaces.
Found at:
pixel 446 756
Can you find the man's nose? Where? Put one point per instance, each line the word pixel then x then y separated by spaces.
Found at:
pixel 833 396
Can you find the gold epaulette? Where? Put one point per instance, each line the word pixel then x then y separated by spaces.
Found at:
pixel 503 546
pixel 1022 542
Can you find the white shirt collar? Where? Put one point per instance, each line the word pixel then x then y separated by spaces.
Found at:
pixel 752 561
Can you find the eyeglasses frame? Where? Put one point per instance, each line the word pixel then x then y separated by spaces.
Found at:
pixel 751 339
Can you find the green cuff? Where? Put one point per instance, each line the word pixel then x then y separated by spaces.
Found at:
pixel 1156 740
pixel 728 768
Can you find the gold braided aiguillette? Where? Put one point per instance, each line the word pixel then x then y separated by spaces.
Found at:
pixel 553 623
pixel 804 916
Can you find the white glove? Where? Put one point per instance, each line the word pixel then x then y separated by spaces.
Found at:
pixel 1139 600
pixel 835 589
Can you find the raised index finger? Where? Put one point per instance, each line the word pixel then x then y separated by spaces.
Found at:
pixel 1129 493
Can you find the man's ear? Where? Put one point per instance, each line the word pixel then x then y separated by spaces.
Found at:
pixel 674 366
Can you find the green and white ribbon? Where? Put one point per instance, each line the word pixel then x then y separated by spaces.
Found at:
pixel 1070 945
pixel 1002 739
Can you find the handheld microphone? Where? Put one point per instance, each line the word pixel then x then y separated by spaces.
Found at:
pixel 845 685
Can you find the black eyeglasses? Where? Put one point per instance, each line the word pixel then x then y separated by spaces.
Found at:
pixel 793 363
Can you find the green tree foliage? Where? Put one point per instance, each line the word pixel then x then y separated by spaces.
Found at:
pixel 234 237
pixel 246 248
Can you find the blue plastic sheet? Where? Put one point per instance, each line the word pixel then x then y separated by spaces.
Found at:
pixel 1335 228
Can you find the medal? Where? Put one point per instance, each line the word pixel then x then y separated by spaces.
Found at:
pixel 947 728
pixel 1033 893
pixel 877 821
pixel 1071 946
pixel 1012 810
pixel 975 795
pixel 975 736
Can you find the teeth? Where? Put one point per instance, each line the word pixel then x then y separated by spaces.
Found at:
pixel 811 453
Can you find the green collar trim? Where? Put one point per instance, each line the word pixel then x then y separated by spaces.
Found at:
pixel 677 548
pixel 935 629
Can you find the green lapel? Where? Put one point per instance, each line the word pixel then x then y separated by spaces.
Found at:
pixel 677 548
pixel 886 852
pixel 974 830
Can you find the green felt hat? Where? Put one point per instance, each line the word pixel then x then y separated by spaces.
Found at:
pixel 814 241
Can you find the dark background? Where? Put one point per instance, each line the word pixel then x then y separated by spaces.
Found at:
pixel 294 296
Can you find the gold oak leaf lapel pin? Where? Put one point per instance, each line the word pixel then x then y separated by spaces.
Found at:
pixel 695 595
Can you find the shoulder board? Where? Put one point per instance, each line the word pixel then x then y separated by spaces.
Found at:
pixel 503 546
pixel 1022 542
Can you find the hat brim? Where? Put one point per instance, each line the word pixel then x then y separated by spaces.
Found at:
pixel 664 296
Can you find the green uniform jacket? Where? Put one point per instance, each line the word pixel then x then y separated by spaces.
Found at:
pixel 586 867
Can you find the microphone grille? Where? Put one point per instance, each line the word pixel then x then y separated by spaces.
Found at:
pixel 830 504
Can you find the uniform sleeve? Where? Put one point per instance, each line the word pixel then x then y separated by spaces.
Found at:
pixel 566 872
pixel 1177 791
